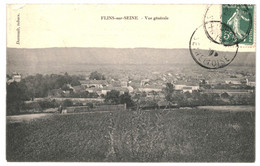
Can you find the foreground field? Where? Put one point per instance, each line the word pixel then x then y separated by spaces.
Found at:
pixel 177 135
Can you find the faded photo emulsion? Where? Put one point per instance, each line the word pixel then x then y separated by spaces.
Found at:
pixel 130 83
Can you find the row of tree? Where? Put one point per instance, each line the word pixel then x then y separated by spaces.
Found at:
pixel 39 85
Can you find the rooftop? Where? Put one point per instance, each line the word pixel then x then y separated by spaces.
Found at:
pixel 102 82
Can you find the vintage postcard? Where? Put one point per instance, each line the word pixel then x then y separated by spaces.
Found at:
pixel 130 83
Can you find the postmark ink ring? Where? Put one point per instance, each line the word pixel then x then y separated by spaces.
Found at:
pixel 208 53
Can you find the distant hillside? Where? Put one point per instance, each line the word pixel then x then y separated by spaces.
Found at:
pixel 34 59
pixel 99 55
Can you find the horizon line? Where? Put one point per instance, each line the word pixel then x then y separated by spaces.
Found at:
pixel 115 48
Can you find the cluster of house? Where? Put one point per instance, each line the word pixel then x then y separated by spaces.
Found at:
pixel 102 87
pixel 15 77
pixel 249 81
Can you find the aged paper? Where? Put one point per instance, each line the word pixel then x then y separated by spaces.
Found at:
pixel 130 83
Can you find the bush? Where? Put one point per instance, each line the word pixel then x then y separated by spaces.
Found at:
pixel 126 99
pixel 96 76
pixel 67 103
pixel 34 106
pixel 78 104
pixel 45 104
pixel 90 105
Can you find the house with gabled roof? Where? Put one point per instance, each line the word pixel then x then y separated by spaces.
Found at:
pixel 94 83
pixel 250 81
pixel 150 88
pixel 107 89
pixel 186 86
pixel 234 81
pixel 79 88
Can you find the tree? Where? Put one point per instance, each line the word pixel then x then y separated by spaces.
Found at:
pixel 126 99
pixel 65 87
pixel 8 76
pixel 74 81
pixel 112 97
pixel 45 104
pixel 90 105
pixel 96 76
pixel 155 94
pixel 39 85
pixel 139 99
pixel 67 103
pixel 93 95
pixel 168 92
pixel 225 95
pixel 187 94
pixel 17 93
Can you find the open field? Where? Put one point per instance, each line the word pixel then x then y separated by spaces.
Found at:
pixel 156 135
pixel 229 108
pixel 26 117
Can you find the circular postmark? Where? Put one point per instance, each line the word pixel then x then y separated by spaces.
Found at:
pixel 208 53
pixel 236 23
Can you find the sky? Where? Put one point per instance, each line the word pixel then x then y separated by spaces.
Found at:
pixel 82 25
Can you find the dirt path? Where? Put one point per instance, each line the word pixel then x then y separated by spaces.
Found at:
pixel 229 108
pixel 25 118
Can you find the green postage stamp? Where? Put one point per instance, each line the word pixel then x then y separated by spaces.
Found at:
pixel 240 20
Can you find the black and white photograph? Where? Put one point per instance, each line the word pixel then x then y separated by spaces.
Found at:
pixel 130 83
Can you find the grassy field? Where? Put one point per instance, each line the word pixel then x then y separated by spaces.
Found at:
pixel 177 136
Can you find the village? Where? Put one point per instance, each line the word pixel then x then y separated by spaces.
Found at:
pixel 190 88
